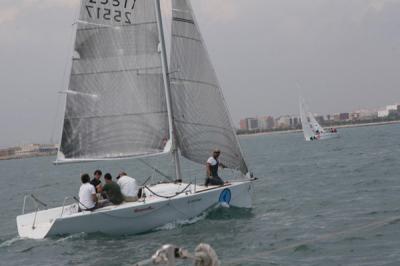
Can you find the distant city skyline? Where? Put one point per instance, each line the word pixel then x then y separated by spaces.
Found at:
pixel 389 113
pixel 345 54
pixel 384 108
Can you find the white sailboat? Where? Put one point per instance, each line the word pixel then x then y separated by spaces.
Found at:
pixel 312 130
pixel 122 102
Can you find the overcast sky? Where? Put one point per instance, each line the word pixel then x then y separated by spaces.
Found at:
pixel 345 54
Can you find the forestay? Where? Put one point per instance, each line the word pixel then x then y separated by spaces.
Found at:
pixel 201 118
pixel 115 102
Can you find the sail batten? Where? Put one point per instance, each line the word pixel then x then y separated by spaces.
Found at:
pixel 116 71
pixel 185 37
pixel 201 118
pixel 183 20
pixel 201 124
pixel 117 60
pixel 117 115
pixel 195 81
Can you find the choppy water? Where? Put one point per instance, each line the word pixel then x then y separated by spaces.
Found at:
pixel 333 202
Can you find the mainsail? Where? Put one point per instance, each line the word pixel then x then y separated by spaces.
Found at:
pixel 316 126
pixel 201 118
pixel 306 125
pixel 116 101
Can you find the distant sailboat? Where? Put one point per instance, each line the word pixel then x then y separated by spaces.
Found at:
pixel 312 130
pixel 123 102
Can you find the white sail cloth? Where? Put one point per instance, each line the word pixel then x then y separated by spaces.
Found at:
pixel 308 130
pixel 117 108
pixel 201 118
pixel 116 103
pixel 315 125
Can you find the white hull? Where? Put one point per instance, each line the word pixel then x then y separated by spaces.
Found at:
pixel 329 135
pixel 135 217
pixel 326 135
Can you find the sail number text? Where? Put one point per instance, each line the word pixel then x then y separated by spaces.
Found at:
pixel 123 16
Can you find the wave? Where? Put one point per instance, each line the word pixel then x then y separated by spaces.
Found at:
pixel 9 242
pixel 179 223
pixel 302 248
pixel 72 237
pixel 223 213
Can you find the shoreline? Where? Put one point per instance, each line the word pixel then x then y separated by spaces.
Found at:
pixel 32 155
pixel 338 126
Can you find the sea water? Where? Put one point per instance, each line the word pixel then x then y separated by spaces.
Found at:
pixel 332 202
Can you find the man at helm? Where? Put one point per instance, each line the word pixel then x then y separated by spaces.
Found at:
pixel 212 169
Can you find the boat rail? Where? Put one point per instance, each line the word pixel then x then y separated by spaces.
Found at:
pixel 37 203
pixel 35 200
pixel 63 206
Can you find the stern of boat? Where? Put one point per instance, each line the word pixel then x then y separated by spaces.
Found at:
pixel 37 224
pixel 29 228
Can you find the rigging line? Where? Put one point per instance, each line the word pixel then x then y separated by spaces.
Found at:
pixel 169 197
pixel 145 182
pixel 262 255
pixel 38 201
pixel 156 170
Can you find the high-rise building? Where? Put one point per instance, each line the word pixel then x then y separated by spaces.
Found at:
pixel 249 124
pixel 266 122
pixel 283 122
pixel 252 123
pixel 390 109
pixel 344 116
pixel 243 124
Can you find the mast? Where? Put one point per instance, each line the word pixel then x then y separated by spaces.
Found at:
pixel 164 62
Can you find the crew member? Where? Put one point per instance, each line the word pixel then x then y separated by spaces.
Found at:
pixel 212 169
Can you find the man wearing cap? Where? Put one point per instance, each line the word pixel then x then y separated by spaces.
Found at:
pixel 212 169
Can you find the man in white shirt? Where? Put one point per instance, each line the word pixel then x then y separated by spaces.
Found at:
pixel 212 169
pixel 129 187
pixel 87 195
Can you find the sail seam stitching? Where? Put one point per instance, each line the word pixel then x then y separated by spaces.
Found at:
pixel 116 115
pixel 116 26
